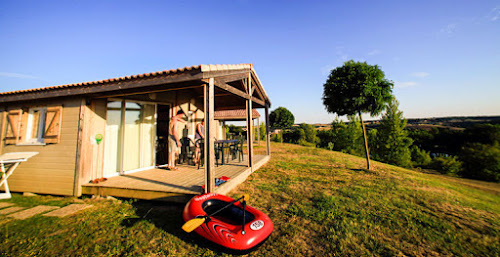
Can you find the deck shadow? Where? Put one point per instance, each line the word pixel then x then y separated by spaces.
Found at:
pixel 193 188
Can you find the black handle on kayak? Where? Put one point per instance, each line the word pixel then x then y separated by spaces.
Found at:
pixel 244 214
pixel 224 207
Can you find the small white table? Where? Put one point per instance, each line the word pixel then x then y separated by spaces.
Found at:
pixel 12 160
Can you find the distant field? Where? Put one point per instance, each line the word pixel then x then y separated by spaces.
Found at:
pixel 454 123
pixel 323 203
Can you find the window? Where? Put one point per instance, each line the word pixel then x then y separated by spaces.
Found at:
pixel 35 125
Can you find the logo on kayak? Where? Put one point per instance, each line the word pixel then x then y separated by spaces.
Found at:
pixel 256 225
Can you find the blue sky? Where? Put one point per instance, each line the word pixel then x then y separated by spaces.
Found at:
pixel 444 56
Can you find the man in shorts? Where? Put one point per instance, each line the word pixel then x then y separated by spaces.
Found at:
pixel 174 138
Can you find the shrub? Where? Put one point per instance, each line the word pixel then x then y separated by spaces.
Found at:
pixel 392 141
pixel 235 130
pixel 481 161
pixel 420 157
pixel 343 137
pixel 446 164
pixel 325 138
pixel 483 133
pixel 276 137
pixel 262 129
pixel 294 136
pixel 310 133
pixel 305 143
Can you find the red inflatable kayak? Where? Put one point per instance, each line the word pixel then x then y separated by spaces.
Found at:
pixel 226 226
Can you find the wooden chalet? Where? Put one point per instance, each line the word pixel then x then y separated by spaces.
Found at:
pixel 117 129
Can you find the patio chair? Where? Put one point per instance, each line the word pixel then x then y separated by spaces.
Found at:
pixel 187 150
pixel 12 160
pixel 236 149
pixel 217 150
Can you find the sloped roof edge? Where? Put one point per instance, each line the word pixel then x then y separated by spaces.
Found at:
pixel 189 71
pixel 201 67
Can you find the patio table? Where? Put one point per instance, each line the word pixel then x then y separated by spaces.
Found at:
pixel 13 160
pixel 224 144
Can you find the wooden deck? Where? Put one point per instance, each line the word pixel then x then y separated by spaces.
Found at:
pixel 177 186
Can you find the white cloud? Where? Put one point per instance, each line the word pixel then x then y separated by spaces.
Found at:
pixel 398 84
pixel 17 75
pixel 420 74
pixel 374 52
pixel 449 29
pixel 342 56
pixel 494 14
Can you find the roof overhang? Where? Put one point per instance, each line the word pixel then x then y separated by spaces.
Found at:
pixel 230 81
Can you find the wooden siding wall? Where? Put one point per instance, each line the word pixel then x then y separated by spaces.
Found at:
pixel 52 170
pixel 91 156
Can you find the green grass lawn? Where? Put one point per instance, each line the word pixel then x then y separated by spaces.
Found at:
pixel 322 203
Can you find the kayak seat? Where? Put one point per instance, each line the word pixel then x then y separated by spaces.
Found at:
pixel 232 215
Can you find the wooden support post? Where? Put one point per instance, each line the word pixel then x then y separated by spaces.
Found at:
pixel 209 136
pixel 122 139
pixel 268 141
pixel 80 152
pixel 224 135
pixel 249 122
pixel 2 132
pixel 258 132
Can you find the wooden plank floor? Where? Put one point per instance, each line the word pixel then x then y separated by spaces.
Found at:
pixel 161 184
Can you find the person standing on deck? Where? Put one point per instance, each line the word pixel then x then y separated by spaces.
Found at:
pixel 174 138
pixel 200 135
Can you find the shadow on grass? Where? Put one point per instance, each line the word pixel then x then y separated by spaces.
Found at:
pixel 168 217
pixel 365 171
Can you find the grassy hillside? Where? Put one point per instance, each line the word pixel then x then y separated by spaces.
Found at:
pixel 322 203
pixel 325 202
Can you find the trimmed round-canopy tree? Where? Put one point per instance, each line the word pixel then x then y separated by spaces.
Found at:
pixel 356 88
pixel 281 118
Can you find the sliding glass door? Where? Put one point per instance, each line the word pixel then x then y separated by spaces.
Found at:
pixel 129 138
pixel 112 139
pixel 132 139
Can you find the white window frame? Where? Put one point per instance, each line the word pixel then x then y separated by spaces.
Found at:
pixel 41 125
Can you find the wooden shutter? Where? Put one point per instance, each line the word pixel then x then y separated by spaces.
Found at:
pixel 13 127
pixel 53 125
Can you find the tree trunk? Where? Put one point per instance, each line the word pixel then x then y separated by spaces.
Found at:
pixel 366 142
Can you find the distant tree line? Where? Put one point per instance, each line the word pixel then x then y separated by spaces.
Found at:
pixel 471 153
